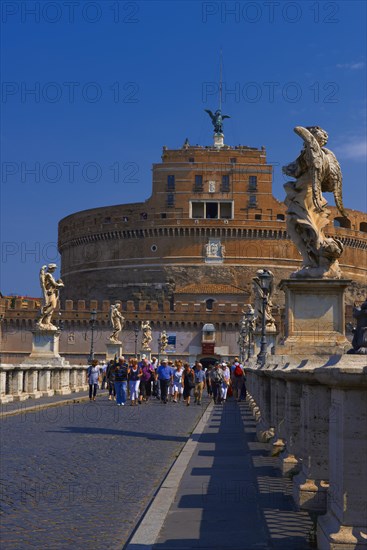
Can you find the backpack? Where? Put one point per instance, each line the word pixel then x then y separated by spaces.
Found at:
pixel 238 371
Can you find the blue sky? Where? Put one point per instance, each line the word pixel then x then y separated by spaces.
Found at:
pixel 115 81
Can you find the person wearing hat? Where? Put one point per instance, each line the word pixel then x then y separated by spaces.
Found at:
pixel 199 382
pixel 226 381
pixel 93 374
pixel 165 376
pixel 216 380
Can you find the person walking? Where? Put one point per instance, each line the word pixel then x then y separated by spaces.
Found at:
pixel 226 382
pixel 199 378
pixel 110 376
pixel 177 382
pixel 237 377
pixel 93 375
pixel 120 381
pixel 165 376
pixel 216 380
pixel 147 375
pixel 188 381
pixel 134 375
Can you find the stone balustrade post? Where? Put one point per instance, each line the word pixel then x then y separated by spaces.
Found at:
pixel 277 414
pixel 311 484
pixel 344 526
pixel 17 385
pixel 44 382
pixel 264 429
pixel 289 458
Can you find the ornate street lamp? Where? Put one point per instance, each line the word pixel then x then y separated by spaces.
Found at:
pixel 249 316
pixel 92 322
pixel 136 333
pixel 265 283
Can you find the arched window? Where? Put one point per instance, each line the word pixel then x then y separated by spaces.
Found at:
pixel 363 226
pixel 342 222
pixel 209 304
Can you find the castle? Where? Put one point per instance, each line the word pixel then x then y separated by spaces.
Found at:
pixel 186 256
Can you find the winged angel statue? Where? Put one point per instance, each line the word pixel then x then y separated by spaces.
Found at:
pixel 316 170
pixel 217 120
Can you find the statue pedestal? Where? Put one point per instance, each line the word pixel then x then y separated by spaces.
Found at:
pixel 314 317
pixel 218 140
pixel 113 350
pixel 45 350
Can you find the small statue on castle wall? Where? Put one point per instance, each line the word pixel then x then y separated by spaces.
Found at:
pixel 117 321
pixel 163 341
pixel 259 294
pixel 147 335
pixel 50 289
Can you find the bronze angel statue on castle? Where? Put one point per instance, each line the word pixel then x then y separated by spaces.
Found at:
pixel 316 171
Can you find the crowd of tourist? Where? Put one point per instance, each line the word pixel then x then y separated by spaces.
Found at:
pixel 139 381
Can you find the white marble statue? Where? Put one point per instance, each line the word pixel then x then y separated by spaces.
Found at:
pixel 147 335
pixel 163 341
pixel 316 170
pixel 259 294
pixel 117 321
pixel 50 289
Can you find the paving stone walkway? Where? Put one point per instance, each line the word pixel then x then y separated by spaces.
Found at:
pixel 231 495
pixel 79 476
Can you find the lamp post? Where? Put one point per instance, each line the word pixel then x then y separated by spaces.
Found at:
pixel 159 347
pixel 265 282
pixel 136 333
pixel 92 322
pixel 249 315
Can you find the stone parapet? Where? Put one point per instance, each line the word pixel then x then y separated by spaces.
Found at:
pixel 319 412
pixel 22 382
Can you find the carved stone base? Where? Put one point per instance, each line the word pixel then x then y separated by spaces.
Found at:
pixel 314 317
pixel 331 535
pixel 288 464
pixel 309 494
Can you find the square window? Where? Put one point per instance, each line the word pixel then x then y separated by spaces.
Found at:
pixel 163 215
pixel 258 216
pixel 233 160
pixel 226 210
pixel 211 210
pixel 197 209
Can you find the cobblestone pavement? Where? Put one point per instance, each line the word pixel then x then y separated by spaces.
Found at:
pixel 80 476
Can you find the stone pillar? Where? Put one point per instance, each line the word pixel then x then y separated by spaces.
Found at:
pixel 44 382
pixel 264 430
pixel 277 389
pixel 64 382
pixel 31 383
pixel 344 527
pixel 4 397
pixel 17 385
pixel 289 458
pixel 311 484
